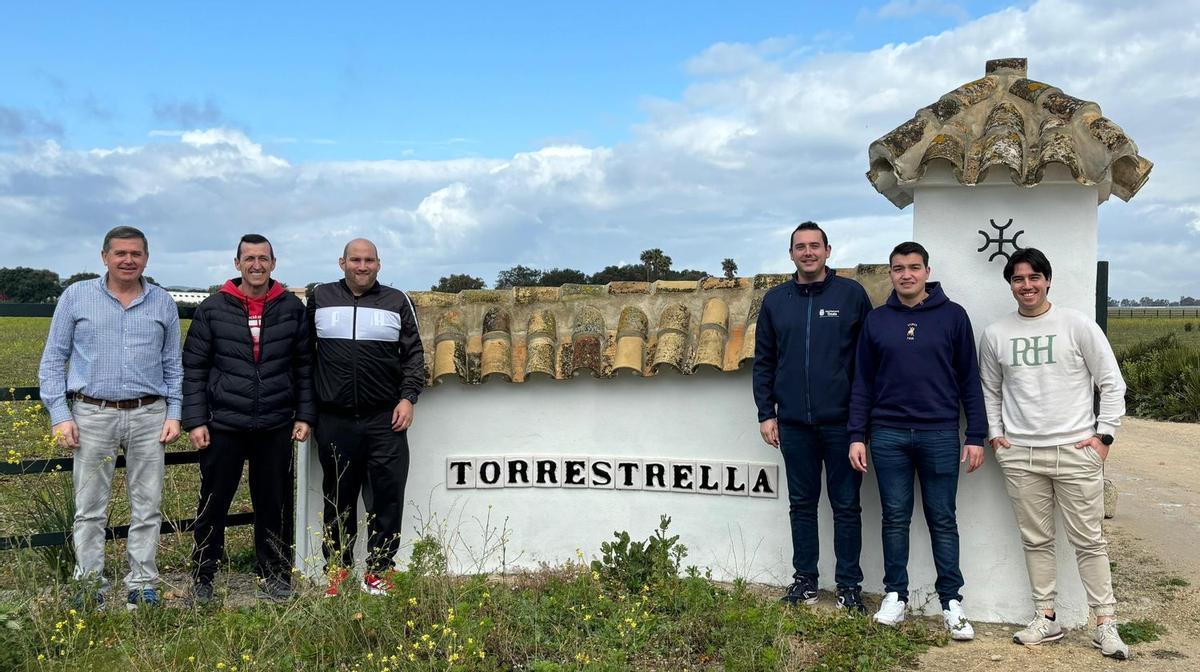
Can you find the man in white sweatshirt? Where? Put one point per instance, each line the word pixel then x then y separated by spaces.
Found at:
pixel 1039 366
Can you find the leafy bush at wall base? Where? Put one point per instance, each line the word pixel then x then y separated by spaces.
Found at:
pixel 563 617
pixel 1163 380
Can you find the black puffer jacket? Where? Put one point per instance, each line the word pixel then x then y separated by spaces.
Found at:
pixel 224 388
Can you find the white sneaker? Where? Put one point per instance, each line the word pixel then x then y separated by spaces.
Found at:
pixel 957 623
pixel 1108 640
pixel 891 610
pixel 1039 631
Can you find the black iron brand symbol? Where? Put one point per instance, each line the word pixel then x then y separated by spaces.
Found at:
pixel 999 240
pixel 911 334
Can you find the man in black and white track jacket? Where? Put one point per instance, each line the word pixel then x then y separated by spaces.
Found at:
pixel 370 368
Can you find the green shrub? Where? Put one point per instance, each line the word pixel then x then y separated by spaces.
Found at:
pixel 1136 632
pixel 1163 380
pixel 634 564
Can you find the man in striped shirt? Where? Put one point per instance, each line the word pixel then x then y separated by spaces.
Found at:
pixel 114 353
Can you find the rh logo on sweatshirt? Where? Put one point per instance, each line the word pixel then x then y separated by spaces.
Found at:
pixel 1031 352
pixel 911 334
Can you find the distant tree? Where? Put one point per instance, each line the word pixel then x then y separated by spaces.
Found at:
pixel 213 289
pixel 1128 303
pixel 685 274
pixel 729 267
pixel 456 282
pixel 624 273
pixel 82 275
pixel 518 276
pixel 1112 302
pixel 1188 301
pixel 557 277
pixel 657 264
pixel 29 285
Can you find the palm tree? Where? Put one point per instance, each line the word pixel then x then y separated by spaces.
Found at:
pixel 729 266
pixel 657 263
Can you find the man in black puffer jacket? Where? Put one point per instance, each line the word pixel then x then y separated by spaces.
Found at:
pixel 247 393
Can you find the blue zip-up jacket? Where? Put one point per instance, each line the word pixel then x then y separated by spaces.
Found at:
pixel 915 366
pixel 804 350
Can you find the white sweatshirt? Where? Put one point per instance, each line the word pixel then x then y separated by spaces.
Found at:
pixel 1038 376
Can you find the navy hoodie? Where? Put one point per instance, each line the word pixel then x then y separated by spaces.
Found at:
pixel 915 366
pixel 804 350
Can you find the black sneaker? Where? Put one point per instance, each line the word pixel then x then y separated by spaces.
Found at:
pixel 850 599
pixel 275 590
pixel 804 589
pixel 202 594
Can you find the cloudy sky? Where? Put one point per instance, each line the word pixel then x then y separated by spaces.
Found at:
pixel 471 137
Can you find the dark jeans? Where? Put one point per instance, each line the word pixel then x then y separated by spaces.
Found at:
pixel 805 448
pixel 932 455
pixel 271 485
pixel 362 455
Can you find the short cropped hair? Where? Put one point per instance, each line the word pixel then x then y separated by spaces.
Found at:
pixel 254 239
pixel 808 226
pixel 907 248
pixel 125 233
pixel 1028 255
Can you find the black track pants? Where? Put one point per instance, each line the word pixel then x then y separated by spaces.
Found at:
pixel 362 455
pixel 271 489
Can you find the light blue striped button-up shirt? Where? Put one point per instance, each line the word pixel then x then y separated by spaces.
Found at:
pixel 102 349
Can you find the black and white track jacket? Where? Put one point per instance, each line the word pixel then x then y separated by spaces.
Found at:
pixel 368 351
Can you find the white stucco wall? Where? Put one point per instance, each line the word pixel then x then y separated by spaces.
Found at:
pixel 1059 218
pixel 706 416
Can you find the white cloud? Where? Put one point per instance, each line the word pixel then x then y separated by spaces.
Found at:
pixel 767 135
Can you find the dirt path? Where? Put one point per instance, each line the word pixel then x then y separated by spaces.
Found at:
pixel 1154 543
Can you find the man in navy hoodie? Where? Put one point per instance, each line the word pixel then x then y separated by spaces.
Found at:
pixel 916 364
pixel 804 350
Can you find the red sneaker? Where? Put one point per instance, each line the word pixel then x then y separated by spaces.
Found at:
pixel 336 579
pixel 376 584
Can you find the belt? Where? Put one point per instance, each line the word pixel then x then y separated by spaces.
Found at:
pixel 124 404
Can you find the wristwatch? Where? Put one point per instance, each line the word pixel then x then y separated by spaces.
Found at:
pixel 1106 439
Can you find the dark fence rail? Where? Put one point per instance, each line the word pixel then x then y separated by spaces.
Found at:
pixel 1152 311
pixel 47 310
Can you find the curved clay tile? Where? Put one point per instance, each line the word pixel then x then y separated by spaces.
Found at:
pixel 588 339
pixel 747 353
pixel 631 340
pixel 714 330
pixel 1006 119
pixel 496 358
pixel 541 344
pixel 1002 143
pixel 672 345
pixel 450 347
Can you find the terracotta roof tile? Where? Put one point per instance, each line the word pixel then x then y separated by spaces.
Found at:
pixel 603 331
pixel 1005 121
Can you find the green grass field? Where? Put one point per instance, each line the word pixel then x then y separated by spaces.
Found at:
pixel 1125 331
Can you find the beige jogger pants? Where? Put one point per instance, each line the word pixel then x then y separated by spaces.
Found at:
pixel 1039 481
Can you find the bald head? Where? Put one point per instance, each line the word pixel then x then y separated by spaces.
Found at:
pixel 360 263
pixel 361 245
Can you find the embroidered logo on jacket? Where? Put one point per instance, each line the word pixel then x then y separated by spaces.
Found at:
pixel 911 334
pixel 828 312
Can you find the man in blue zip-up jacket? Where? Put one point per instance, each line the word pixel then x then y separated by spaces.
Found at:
pixel 916 364
pixel 805 339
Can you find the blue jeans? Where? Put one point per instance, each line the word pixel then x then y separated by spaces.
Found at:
pixel 932 455
pixel 805 448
